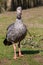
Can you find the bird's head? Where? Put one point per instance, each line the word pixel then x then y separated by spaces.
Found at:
pixel 19 12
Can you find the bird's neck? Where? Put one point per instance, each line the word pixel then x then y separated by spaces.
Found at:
pixel 19 18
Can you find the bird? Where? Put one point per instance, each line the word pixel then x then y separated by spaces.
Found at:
pixel 16 32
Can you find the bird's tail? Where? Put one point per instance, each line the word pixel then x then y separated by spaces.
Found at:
pixel 7 43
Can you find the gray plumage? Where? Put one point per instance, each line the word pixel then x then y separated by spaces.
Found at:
pixel 16 32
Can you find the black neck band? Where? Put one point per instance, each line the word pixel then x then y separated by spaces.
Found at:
pixel 18 17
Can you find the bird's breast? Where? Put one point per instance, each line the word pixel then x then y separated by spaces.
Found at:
pixel 20 28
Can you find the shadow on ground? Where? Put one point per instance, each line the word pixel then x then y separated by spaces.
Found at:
pixel 30 52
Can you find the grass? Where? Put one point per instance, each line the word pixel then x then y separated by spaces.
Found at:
pixel 33 18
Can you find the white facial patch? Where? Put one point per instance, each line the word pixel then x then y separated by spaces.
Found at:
pixel 19 11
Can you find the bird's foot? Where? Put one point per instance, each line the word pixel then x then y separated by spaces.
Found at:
pixel 15 58
pixel 21 55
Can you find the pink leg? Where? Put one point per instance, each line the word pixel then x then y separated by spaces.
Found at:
pixel 20 54
pixel 14 46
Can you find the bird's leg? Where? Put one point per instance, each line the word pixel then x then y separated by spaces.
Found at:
pixel 20 54
pixel 14 46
